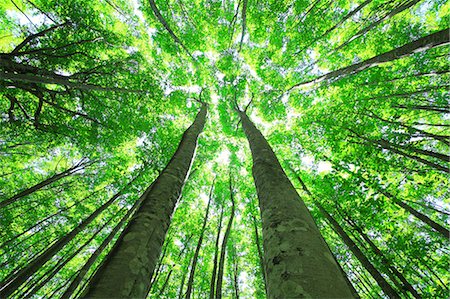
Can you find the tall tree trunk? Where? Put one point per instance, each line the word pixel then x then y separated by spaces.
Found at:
pixel 298 261
pixel 398 9
pixel 384 285
pixel 224 244
pixel 46 182
pixel 63 261
pixel 84 270
pixel 386 262
pixel 9 286
pixel 126 272
pixel 235 273
pixel 167 27
pixel 216 257
pixel 199 245
pixel 183 279
pixel 260 253
pixel 441 138
pixel 435 39
pixel 380 190
pixel 166 281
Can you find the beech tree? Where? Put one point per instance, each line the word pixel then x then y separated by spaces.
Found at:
pixel 224 149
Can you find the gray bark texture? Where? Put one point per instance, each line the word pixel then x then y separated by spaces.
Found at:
pixel 127 272
pixel 298 262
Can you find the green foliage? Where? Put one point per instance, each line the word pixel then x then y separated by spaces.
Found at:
pixel 107 84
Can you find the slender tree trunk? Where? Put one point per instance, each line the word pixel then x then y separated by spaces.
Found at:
pixel 235 273
pixel 260 253
pixel 224 245
pixel 441 138
pixel 183 279
pixel 384 285
pixel 407 4
pixel 167 27
pixel 433 40
pixel 216 257
pixel 199 245
pixel 423 107
pixel 126 272
pixel 244 23
pixel 166 281
pixel 43 184
pixel 62 262
pixel 93 258
pixel 380 190
pixel 298 261
pixel 386 262
pixel 9 286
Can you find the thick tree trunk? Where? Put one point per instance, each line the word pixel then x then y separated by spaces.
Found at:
pixel 126 272
pixel 43 184
pixel 224 245
pixel 433 40
pixel 199 246
pixel 9 286
pixel 216 257
pixel 298 261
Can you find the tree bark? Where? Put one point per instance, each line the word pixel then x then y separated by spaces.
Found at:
pixel 298 261
pixel 224 245
pixel 9 286
pixel 46 182
pixel 433 40
pixel 199 245
pixel 126 272
pixel 216 257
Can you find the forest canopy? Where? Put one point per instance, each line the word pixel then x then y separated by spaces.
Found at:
pixel 224 149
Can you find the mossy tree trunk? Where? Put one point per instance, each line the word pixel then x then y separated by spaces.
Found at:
pixel 298 262
pixel 127 271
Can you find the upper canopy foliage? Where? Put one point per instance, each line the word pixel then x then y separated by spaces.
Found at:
pixel 113 84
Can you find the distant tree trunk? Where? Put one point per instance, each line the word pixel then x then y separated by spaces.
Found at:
pixel 384 285
pixel 216 257
pixel 423 107
pixel 441 138
pixel 63 261
pixel 298 261
pixel 46 182
pixel 235 273
pixel 433 40
pixel 398 9
pixel 260 253
pixel 380 190
pixel 166 281
pixel 84 270
pixel 126 272
pixel 386 262
pixel 224 244
pixel 395 149
pixel 9 286
pixel 163 21
pixel 183 279
pixel 199 245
